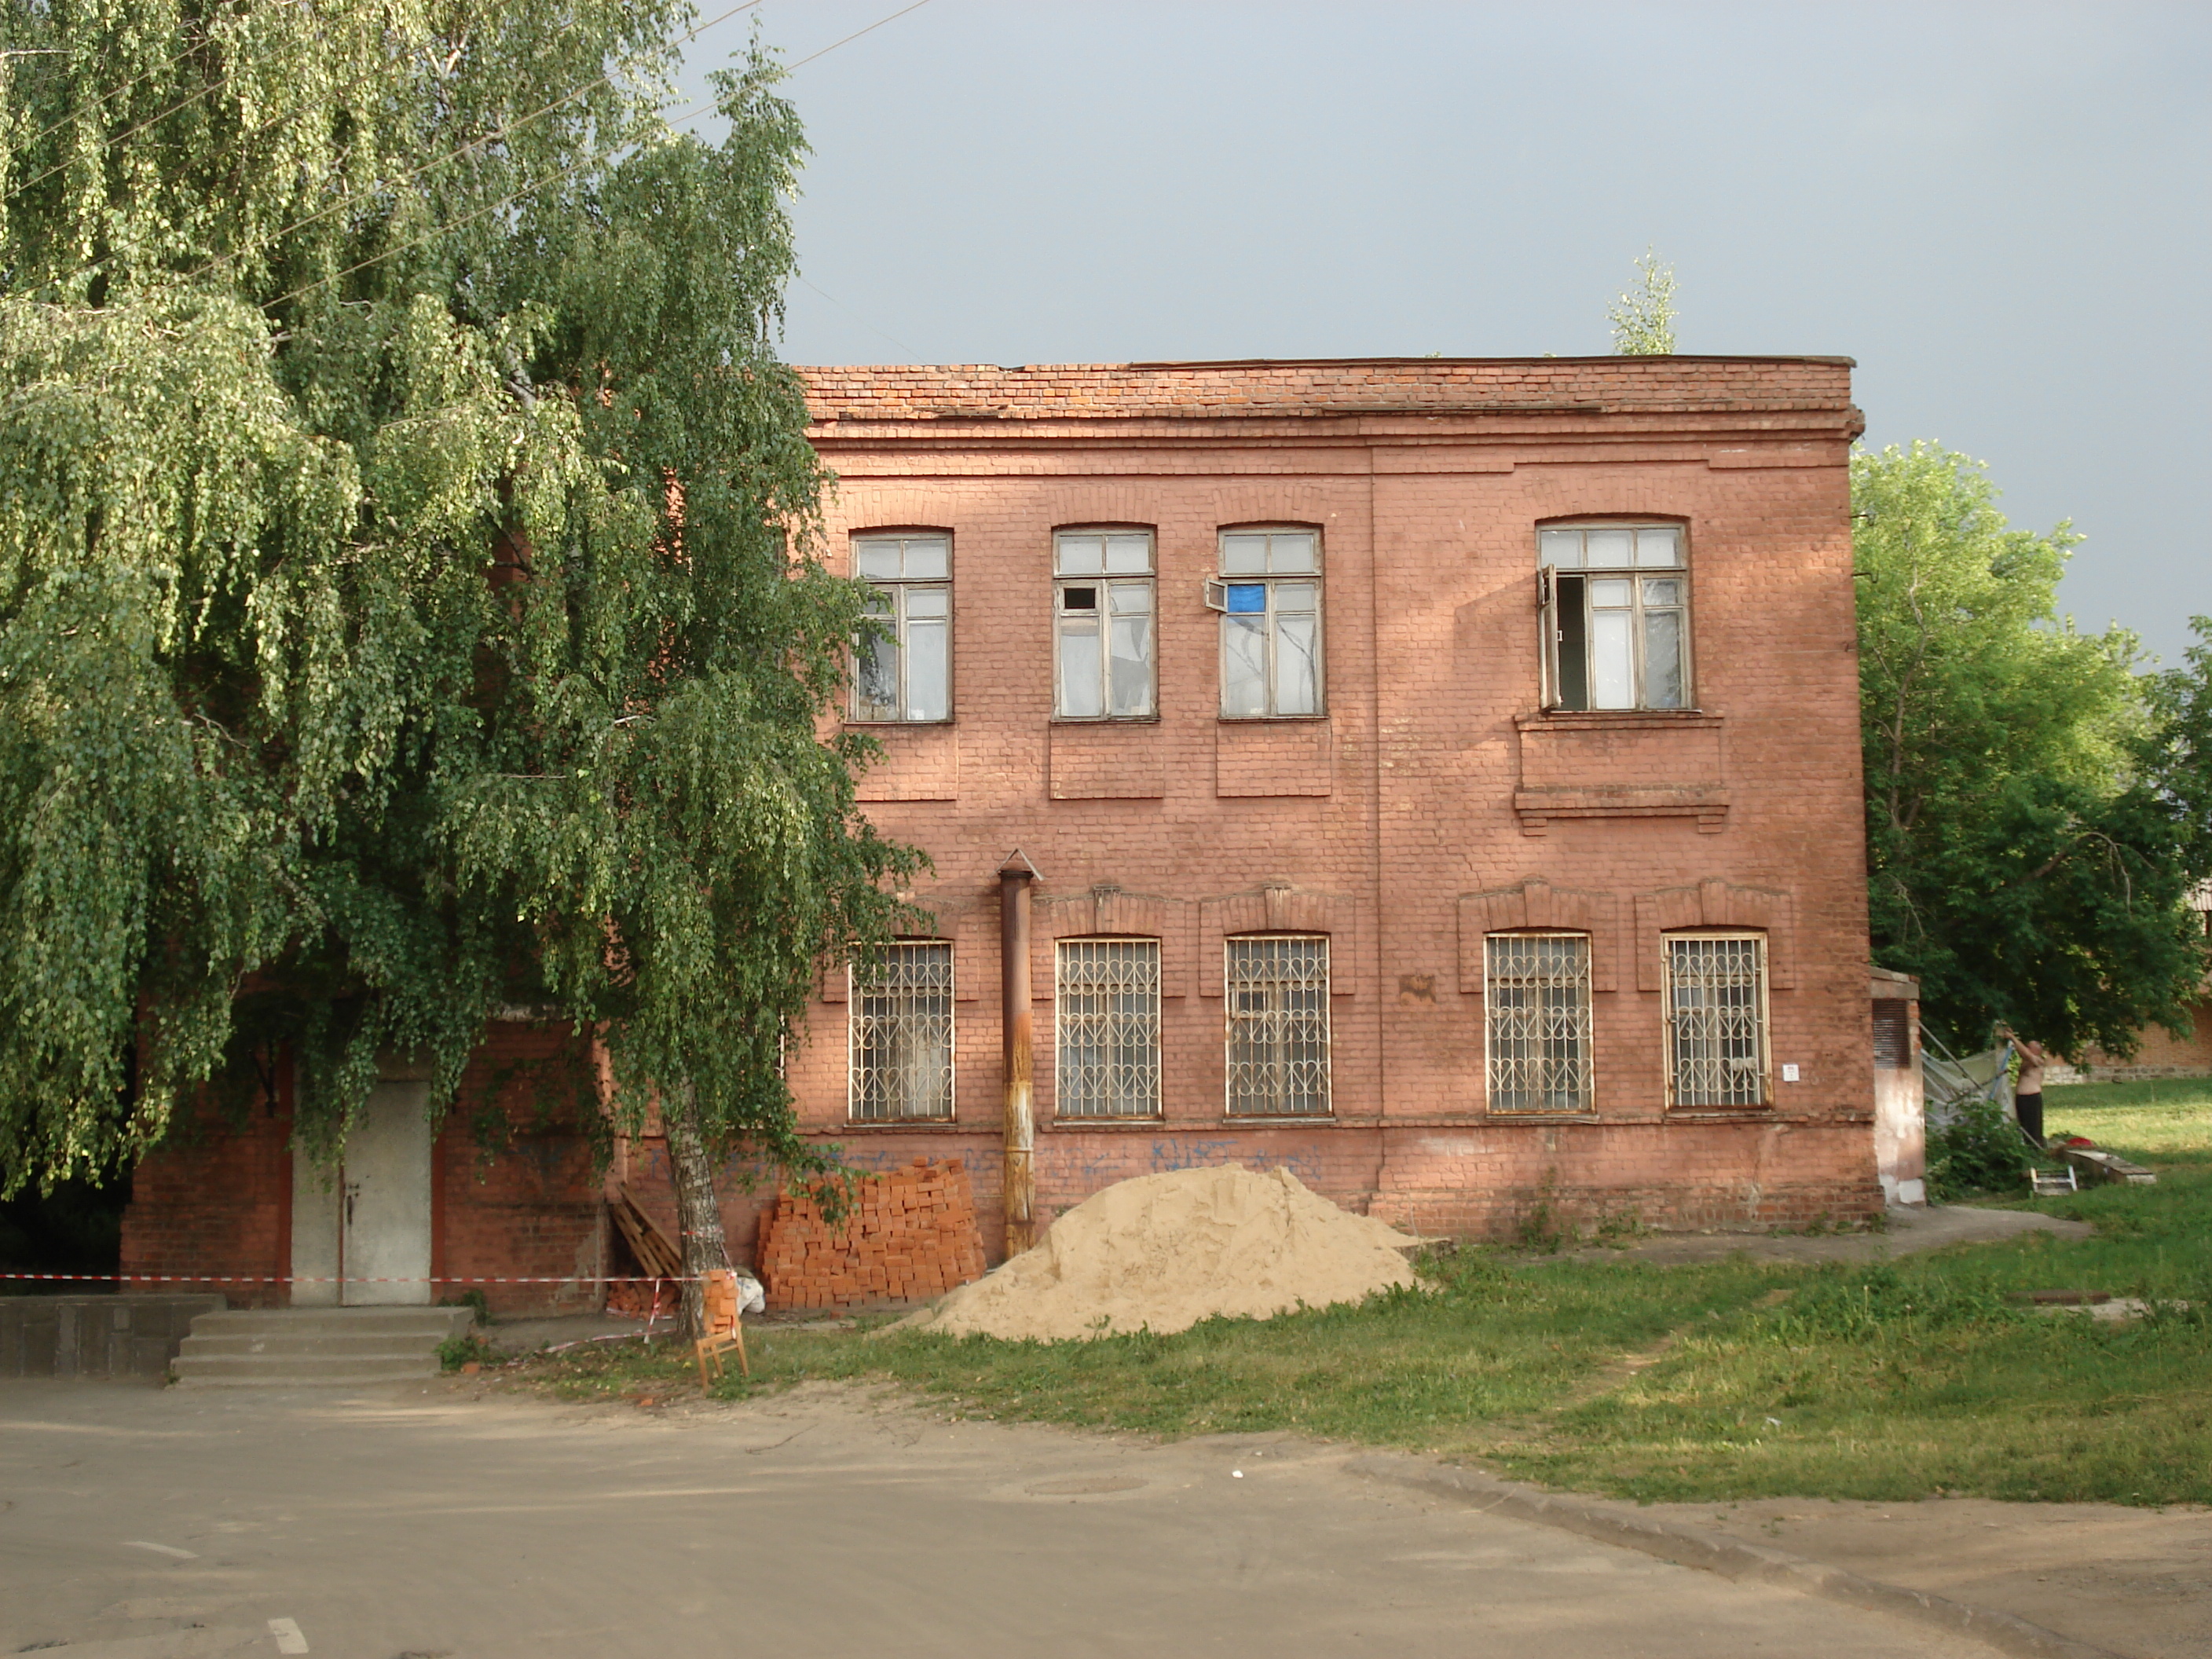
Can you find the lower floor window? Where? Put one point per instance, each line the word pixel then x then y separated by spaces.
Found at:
pixel 900 1062
pixel 1537 1006
pixel 1278 996
pixel 1107 1021
pixel 1717 1019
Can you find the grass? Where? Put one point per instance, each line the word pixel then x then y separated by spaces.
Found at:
pixel 1736 1379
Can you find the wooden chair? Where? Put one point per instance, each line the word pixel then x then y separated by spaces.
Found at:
pixel 726 1329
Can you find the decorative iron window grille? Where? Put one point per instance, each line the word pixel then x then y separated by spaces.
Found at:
pixel 1537 997
pixel 1108 1029
pixel 1717 1019
pixel 900 1059
pixel 1277 997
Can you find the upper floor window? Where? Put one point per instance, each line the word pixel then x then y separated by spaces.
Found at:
pixel 1103 624
pixel 1277 994
pixel 905 674
pixel 1536 999
pixel 1269 597
pixel 899 1061
pixel 1108 1028
pixel 1616 616
pixel 1717 1019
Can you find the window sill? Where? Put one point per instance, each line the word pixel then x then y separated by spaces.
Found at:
pixel 895 725
pixel 874 1125
pixel 1244 1123
pixel 1539 1117
pixel 1271 719
pixel 1571 717
pixel 1105 720
pixel 1716 1114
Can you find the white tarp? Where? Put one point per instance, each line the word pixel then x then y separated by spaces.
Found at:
pixel 1950 1084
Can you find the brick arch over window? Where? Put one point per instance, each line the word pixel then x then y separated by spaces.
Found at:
pixel 1304 505
pixel 970 926
pixel 1715 903
pixel 1534 903
pixel 1105 910
pixel 1550 495
pixel 1279 908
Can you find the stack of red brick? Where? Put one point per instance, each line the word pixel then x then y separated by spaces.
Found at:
pixel 908 1235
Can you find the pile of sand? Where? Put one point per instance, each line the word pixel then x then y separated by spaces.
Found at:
pixel 1165 1251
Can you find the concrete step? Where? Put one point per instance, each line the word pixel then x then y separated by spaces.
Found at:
pixel 289 1348
pixel 291 1321
pixel 200 1346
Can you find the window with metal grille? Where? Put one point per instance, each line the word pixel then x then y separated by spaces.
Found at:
pixel 900 1059
pixel 1892 1033
pixel 1278 998
pixel 1108 1028
pixel 1717 1019
pixel 1536 996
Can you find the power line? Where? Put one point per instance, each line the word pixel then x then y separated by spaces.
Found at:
pixel 857 33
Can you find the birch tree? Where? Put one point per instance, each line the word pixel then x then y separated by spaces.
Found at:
pixel 408 600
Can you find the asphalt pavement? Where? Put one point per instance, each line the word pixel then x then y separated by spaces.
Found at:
pixel 826 1521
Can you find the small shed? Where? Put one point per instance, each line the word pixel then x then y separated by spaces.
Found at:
pixel 1900 1123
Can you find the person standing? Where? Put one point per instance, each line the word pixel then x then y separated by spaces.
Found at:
pixel 2027 1091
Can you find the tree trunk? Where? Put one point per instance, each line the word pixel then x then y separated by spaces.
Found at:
pixel 698 1211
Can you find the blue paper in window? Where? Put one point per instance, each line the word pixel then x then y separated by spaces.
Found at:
pixel 1247 597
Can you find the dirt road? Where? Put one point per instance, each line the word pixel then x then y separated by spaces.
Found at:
pixel 166 1524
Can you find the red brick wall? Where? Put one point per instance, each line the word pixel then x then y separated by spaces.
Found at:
pixel 213 1204
pixel 1428 480
pixel 527 1206
pixel 1434 792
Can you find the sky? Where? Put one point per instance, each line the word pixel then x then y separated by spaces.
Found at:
pixel 2003 211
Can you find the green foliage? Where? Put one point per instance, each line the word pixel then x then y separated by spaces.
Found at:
pixel 409 604
pixel 467 1348
pixel 2025 859
pixel 2177 760
pixel 1981 1149
pixel 1642 317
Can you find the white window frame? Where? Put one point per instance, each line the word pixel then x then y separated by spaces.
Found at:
pixel 902 594
pixel 1572 561
pixel 1140 1096
pixel 1761 1069
pixel 1236 1022
pixel 1577 1071
pixel 859 1026
pixel 1277 586
pixel 1118 595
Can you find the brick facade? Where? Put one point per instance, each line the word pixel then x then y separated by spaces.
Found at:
pixel 1436 801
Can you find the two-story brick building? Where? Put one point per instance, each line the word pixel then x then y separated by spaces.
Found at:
pixel 1442 778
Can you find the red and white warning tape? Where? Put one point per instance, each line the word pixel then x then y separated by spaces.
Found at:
pixel 313 1279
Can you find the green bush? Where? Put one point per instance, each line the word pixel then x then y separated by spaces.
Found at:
pixel 1980 1150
